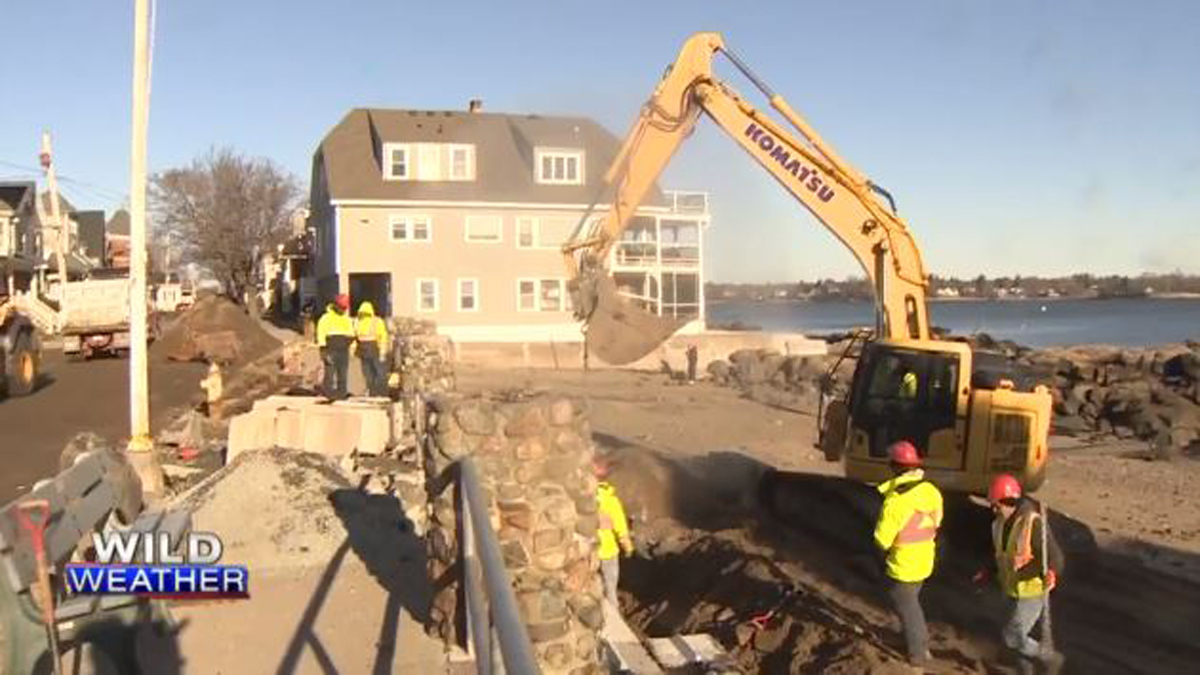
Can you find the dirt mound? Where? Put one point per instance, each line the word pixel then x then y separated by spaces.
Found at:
pixel 214 328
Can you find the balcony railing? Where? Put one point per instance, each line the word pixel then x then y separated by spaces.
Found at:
pixel 689 203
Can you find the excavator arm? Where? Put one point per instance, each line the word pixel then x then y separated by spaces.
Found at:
pixel 838 195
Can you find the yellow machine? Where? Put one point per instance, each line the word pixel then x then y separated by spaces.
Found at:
pixel 969 424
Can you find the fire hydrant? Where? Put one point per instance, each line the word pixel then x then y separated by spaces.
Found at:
pixel 212 386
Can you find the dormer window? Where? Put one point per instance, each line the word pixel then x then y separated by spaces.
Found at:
pixel 397 161
pixel 429 161
pixel 559 167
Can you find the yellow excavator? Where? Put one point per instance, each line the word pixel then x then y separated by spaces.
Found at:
pixel 967 416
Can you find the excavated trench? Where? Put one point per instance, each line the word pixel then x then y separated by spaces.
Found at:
pixel 713 554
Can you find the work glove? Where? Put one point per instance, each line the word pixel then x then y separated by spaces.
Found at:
pixel 1051 580
pixel 626 548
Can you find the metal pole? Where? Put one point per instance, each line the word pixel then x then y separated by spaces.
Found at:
pixel 141 445
pixel 56 215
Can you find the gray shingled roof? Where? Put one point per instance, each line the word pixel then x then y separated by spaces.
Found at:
pixel 504 155
pixel 14 194
pixel 118 223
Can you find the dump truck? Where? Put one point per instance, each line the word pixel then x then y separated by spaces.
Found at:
pixel 94 318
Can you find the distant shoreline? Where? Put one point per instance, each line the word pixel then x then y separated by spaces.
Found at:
pixel 783 301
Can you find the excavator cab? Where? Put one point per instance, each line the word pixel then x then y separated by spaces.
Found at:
pixel 966 427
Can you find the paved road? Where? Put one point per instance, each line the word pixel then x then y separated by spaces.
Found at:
pixel 79 396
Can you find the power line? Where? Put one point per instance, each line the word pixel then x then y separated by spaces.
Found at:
pixel 104 192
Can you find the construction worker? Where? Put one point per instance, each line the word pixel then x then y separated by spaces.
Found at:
pixel 693 356
pixel 906 535
pixel 908 385
pixel 335 333
pixel 612 531
pixel 371 337
pixel 1028 561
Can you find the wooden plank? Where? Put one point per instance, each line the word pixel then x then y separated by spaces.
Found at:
pixel 678 651
pixel 623 647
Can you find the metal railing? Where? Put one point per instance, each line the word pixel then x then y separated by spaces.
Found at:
pixel 685 202
pixel 494 627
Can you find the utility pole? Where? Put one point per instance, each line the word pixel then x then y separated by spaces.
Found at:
pixel 141 445
pixel 47 161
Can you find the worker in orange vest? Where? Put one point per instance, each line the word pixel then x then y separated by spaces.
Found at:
pixel 1028 561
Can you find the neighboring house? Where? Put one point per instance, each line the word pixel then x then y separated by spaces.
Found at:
pixel 459 217
pixel 116 240
pixel 19 228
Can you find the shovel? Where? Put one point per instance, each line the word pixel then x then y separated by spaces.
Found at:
pixel 34 515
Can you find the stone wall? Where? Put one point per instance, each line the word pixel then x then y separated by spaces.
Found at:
pixel 534 459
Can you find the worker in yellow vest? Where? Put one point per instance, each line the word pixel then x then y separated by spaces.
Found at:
pixel 335 333
pixel 612 531
pixel 371 338
pixel 1028 561
pixel 906 535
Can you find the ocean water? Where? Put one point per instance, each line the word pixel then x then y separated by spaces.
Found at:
pixel 1037 323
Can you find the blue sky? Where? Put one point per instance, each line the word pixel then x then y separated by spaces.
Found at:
pixel 1018 137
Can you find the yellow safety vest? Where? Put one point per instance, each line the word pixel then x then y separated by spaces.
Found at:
pixel 370 328
pixel 908 524
pixel 337 326
pixel 1015 553
pixel 613 529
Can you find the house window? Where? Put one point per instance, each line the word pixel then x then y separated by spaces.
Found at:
pixel 554 232
pixel 397 161
pixel 559 167
pixel 462 162
pixel 550 295
pixel 527 295
pixel 526 232
pixel 411 228
pixel 427 295
pixel 485 228
pixel 468 295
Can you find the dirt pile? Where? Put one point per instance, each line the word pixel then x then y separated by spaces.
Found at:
pixel 273 509
pixel 214 329
pixel 709 561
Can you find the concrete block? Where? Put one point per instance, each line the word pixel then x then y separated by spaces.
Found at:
pixel 330 430
pixel 399 421
pixel 375 430
pixel 254 430
pixel 289 428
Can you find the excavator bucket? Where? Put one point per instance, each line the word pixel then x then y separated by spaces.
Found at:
pixel 618 332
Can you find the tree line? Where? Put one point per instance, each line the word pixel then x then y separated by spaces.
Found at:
pixel 1081 285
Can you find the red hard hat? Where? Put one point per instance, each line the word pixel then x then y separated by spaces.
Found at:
pixel 1004 487
pixel 904 453
pixel 342 301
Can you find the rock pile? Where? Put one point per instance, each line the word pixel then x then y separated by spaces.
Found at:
pixel 422 357
pixel 533 458
pixel 1143 393
pixel 769 377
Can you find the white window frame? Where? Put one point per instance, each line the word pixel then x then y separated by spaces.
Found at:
pixel 534 308
pixel 483 240
pixel 474 294
pixel 532 221
pixel 408 220
pixel 437 294
pixel 388 148
pixel 451 148
pixel 559 153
